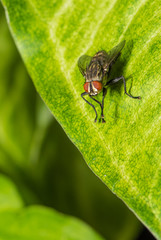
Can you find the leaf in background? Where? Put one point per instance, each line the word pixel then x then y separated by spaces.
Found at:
pixel 36 222
pixel 43 224
pixel 9 197
pixel 124 152
pixel 31 155
pixel 20 108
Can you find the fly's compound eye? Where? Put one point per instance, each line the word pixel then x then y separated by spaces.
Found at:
pixel 97 85
pixel 86 87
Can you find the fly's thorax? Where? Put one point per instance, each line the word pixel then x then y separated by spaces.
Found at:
pixel 94 72
pixel 93 87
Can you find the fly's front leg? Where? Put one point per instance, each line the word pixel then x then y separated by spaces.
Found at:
pixel 101 104
pixel 97 102
pixel 82 95
pixel 118 79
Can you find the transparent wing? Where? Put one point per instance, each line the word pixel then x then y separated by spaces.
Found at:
pixel 114 53
pixel 83 63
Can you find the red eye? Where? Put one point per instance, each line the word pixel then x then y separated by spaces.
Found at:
pixel 86 86
pixel 97 85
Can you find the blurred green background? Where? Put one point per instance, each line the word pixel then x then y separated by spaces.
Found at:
pixel 38 157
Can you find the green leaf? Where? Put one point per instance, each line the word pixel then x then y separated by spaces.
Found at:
pixel 125 152
pixel 36 222
pixel 44 224
pixel 9 196
pixel 20 111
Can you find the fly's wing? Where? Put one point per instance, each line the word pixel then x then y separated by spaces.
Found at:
pixel 83 63
pixel 114 53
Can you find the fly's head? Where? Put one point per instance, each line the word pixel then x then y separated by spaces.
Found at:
pixel 93 87
pixel 94 76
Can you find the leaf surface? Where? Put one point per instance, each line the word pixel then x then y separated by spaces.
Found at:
pixel 125 152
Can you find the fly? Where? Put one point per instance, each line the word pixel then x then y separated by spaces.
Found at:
pixel 96 71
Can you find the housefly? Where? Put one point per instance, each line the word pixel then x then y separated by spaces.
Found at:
pixel 96 71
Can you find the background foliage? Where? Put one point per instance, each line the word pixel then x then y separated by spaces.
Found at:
pixel 124 152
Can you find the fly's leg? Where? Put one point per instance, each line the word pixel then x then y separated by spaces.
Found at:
pixel 82 95
pixel 96 101
pixel 102 105
pixel 118 79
